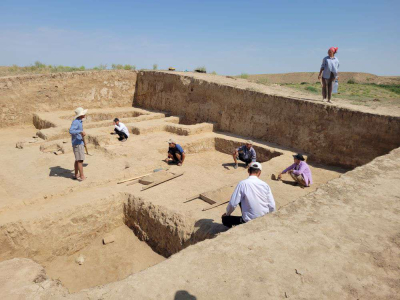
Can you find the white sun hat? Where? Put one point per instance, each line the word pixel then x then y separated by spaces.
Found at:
pixel 250 142
pixel 80 112
pixel 255 165
pixel 171 141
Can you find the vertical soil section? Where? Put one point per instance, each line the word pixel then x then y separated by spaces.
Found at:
pixel 332 135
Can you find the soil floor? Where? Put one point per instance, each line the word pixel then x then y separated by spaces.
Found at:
pixel 103 263
pixel 32 180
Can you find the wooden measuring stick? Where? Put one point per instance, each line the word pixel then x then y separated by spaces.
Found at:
pixel 133 178
pixel 84 143
pixel 192 198
pixel 165 180
pixel 216 205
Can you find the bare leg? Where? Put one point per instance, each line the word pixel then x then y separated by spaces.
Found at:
pixel 178 156
pixel 235 154
pixel 80 167
pixel 76 169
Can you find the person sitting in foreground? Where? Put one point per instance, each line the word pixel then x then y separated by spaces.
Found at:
pixel 245 153
pixel 299 171
pixel 121 130
pixel 175 152
pixel 254 197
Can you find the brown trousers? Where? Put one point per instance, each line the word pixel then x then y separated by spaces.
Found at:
pixel 327 87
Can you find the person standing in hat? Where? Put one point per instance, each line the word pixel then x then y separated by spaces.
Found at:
pixel 77 134
pixel 245 153
pixel 329 70
pixel 299 171
pixel 175 152
pixel 121 130
pixel 254 197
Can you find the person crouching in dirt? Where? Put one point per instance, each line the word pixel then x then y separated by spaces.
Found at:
pixel 121 130
pixel 245 153
pixel 175 153
pixel 299 171
pixel 329 71
pixel 77 135
pixel 254 197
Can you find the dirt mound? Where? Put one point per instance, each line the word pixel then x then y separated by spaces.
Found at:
pixel 312 77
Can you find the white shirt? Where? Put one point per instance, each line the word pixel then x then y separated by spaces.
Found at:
pixel 122 127
pixel 255 197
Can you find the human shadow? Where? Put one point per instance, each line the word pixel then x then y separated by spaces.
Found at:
pixel 228 165
pixel 207 228
pixel 184 295
pixel 292 183
pixel 59 171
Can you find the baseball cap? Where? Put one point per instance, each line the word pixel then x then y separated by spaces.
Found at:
pixel 255 165
pixel 299 157
pixel 250 142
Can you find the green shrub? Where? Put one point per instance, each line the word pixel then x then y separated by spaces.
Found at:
pixel 351 81
pixel 262 80
pixel 39 65
pixel 244 75
pixel 395 88
pixel 129 67
pixel 311 89
pixel 214 73
pixel 303 82
pixel 201 70
pixel 155 67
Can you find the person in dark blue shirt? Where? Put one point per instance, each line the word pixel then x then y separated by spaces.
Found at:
pixel 175 153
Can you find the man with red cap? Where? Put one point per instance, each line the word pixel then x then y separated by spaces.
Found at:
pixel 329 71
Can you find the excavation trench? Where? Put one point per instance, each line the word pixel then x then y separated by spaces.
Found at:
pixel 144 235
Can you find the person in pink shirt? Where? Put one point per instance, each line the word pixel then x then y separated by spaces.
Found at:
pixel 299 171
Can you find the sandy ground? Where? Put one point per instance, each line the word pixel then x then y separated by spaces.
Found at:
pixel 104 263
pixel 33 181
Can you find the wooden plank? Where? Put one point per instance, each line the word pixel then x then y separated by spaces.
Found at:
pixel 162 181
pixel 206 199
pixel 133 178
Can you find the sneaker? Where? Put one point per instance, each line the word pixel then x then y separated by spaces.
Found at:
pixel 123 140
pixel 236 166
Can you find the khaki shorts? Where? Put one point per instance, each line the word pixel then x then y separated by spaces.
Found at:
pixel 79 152
pixel 299 179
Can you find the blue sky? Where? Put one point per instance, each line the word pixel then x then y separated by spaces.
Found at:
pixel 229 37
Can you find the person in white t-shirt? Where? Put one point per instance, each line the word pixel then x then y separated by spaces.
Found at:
pixel 254 197
pixel 121 130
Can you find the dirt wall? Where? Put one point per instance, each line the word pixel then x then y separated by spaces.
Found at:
pixel 60 232
pixel 330 134
pixel 21 96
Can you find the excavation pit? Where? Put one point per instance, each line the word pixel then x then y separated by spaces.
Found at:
pixel 52 219
pixel 143 235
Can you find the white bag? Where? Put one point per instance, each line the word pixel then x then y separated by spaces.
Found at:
pixel 335 87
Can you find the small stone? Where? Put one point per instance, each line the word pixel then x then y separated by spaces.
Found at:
pixel 19 145
pixel 108 239
pixel 80 259
pixel 298 272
